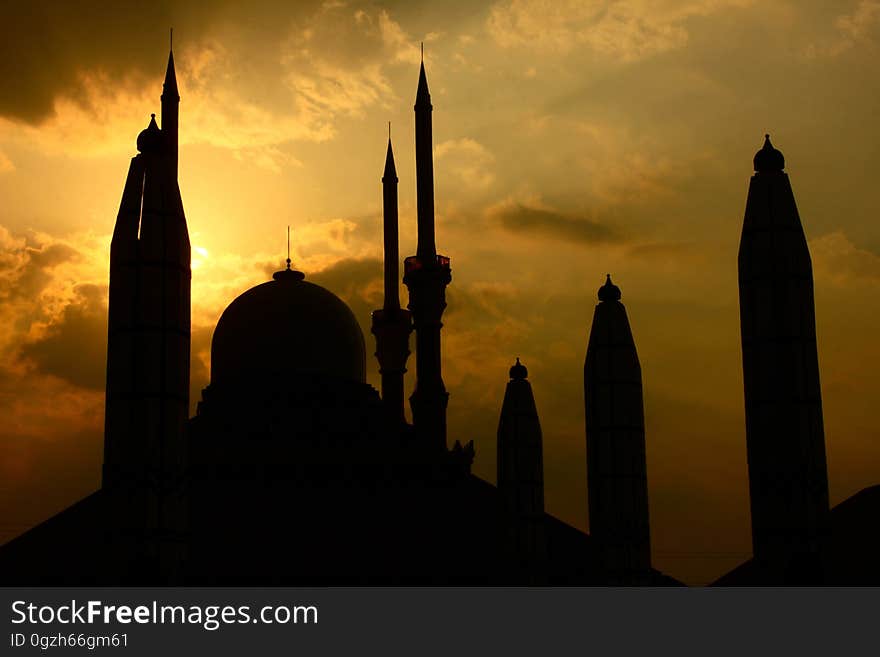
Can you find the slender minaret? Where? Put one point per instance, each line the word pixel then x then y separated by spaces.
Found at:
pixel 392 324
pixel 170 110
pixel 426 275
pixel 616 467
pixel 147 400
pixel 521 466
pixel 788 479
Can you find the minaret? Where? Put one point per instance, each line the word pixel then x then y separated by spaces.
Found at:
pixel 426 275
pixel 392 324
pixel 617 477
pixel 147 401
pixel 521 467
pixel 788 479
pixel 170 110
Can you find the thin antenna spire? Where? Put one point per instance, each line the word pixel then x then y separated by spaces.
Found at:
pixel 288 247
pixel 171 38
pixel 422 43
pixel 389 131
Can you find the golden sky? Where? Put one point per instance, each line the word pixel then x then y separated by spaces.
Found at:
pixel 571 139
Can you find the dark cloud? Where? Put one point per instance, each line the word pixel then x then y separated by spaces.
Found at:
pixel 25 278
pixel 358 281
pixel 52 44
pixel 75 346
pixel 521 218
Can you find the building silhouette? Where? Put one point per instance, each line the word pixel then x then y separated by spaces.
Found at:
pixel 617 473
pixel 426 275
pixel 295 471
pixel 788 478
pixel 391 324
pixel 148 348
pixel 796 539
pixel 520 466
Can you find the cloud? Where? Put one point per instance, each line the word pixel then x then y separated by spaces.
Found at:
pixel 628 29
pixel 359 282
pixel 55 44
pixel 74 345
pixel 531 219
pixel 92 95
pixel 851 29
pixel 467 160
pixel 6 165
pixel 837 259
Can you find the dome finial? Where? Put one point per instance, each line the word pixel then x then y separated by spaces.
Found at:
pixel 518 372
pixel 288 274
pixel 768 158
pixel 609 291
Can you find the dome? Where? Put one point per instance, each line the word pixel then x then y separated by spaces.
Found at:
pixel 518 371
pixel 609 291
pixel 768 158
pixel 150 138
pixel 283 328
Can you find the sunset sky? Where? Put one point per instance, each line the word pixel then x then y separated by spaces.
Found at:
pixel 571 139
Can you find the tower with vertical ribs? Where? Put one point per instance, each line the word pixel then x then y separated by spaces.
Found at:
pixel 148 348
pixel 785 441
pixel 520 467
pixel 617 479
pixel 426 275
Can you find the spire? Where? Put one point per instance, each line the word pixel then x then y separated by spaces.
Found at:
pixel 170 112
pixel 426 247
pixel 423 96
pixel 390 229
pixel 390 170
pixel 391 325
pixel 169 87
pixel 426 275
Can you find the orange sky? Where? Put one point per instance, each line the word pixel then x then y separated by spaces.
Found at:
pixel 571 139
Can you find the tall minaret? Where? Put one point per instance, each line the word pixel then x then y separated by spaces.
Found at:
pixel 148 348
pixel 426 275
pixel 617 476
pixel 521 466
pixel 170 110
pixel 788 479
pixel 392 324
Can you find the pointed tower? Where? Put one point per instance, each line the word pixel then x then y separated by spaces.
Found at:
pixel 148 348
pixel 616 466
pixel 392 324
pixel 788 479
pixel 170 110
pixel 426 275
pixel 521 467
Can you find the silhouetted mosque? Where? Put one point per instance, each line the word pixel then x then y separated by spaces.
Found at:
pixel 295 471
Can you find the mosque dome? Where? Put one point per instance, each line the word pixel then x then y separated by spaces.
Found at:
pixel 285 328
